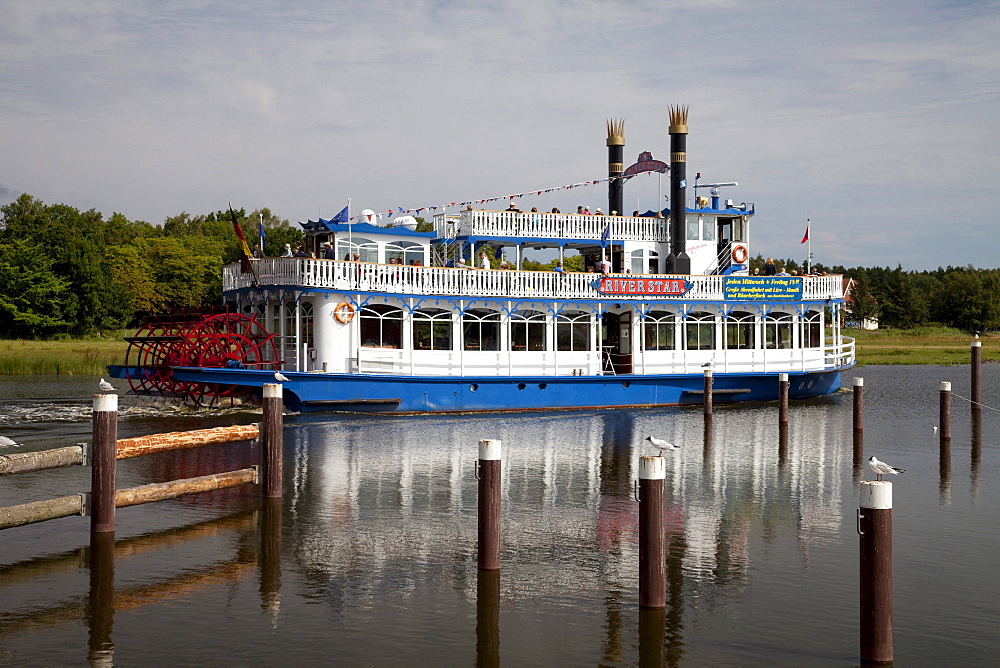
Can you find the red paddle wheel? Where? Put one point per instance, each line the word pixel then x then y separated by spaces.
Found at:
pixel 204 337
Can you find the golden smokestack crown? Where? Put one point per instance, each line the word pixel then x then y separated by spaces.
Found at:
pixel 616 132
pixel 678 119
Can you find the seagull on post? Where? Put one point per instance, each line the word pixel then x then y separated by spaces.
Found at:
pixel 106 386
pixel 881 468
pixel 280 377
pixel 660 444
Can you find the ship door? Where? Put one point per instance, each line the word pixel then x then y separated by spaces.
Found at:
pixel 616 343
pixel 725 237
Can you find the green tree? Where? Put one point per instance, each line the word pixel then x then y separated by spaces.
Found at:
pixel 862 304
pixel 32 297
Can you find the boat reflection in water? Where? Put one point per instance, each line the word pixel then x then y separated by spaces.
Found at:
pixel 387 510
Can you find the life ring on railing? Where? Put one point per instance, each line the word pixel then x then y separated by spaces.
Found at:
pixel 344 313
pixel 740 254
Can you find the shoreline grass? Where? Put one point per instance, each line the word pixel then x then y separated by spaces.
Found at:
pixel 79 357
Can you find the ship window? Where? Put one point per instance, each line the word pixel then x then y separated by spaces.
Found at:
pixel 573 331
pixel 699 328
pixel 693 227
pixel 481 329
pixel 812 330
pixel 366 248
pixel 432 329
pixel 740 328
pixel 637 261
pixel 659 329
pixel 307 323
pixel 654 262
pixel 707 228
pixel 527 331
pixel 778 331
pixel 404 253
pixel 381 326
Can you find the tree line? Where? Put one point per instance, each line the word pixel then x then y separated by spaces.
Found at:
pixel 66 272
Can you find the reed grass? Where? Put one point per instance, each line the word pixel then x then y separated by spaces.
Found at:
pixel 71 357
pixel 920 345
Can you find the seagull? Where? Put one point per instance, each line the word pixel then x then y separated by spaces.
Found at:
pixel 106 386
pixel 660 444
pixel 935 429
pixel 7 442
pixel 280 377
pixel 881 468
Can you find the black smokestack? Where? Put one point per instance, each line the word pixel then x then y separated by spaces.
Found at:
pixel 616 148
pixel 678 261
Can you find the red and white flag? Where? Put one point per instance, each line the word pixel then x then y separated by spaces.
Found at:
pixel 805 237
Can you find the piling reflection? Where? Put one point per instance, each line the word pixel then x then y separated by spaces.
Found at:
pixel 651 636
pixel 270 558
pixel 488 619
pixel 101 610
pixel 944 473
pixel 975 455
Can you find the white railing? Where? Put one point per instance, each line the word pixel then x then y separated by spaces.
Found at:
pixel 402 279
pixel 550 225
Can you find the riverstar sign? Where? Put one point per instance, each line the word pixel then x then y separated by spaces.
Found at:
pixel 643 286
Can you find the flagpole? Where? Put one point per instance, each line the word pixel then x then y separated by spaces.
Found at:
pixel 350 235
pixel 261 235
pixel 809 247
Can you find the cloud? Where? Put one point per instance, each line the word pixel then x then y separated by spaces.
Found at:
pixel 153 108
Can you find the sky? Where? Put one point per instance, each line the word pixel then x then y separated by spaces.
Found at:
pixel 877 121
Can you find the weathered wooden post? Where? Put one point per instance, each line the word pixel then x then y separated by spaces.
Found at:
pixel 977 375
pixel 782 398
pixel 875 530
pixel 652 542
pixel 489 505
pixel 102 463
pixel 945 412
pixel 488 619
pixel 272 441
pixel 859 405
pixel 101 612
pixel 782 444
pixel 944 474
pixel 707 401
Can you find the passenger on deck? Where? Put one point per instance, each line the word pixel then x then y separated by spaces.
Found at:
pixel 513 209
pixel 604 265
pixel 504 264
pixel 555 210
pixel 769 269
pixel 484 262
pixel 598 212
pixel 782 272
pixel 559 268
pixel 635 214
pixel 288 251
pixel 579 210
pixel 329 252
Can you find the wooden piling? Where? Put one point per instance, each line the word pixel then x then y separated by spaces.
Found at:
pixel 977 375
pixel 652 542
pixel 875 529
pixel 489 505
pixel 272 442
pixel 102 463
pixel 945 411
pixel 707 399
pixel 859 405
pixel 783 398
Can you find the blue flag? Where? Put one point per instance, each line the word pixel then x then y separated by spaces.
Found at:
pixel 606 236
pixel 263 237
pixel 340 217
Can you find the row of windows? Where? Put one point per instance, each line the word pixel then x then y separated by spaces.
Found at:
pixel 382 327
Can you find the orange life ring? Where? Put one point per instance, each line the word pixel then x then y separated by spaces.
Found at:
pixel 344 313
pixel 740 254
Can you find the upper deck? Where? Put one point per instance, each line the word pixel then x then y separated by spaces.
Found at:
pixel 510 224
pixel 306 274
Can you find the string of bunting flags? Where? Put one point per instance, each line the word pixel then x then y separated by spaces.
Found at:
pixel 402 212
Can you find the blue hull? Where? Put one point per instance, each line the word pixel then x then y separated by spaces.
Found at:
pixel 314 392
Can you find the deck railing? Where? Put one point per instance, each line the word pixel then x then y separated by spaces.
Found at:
pixel 370 277
pixel 550 225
